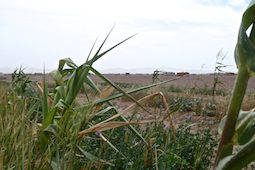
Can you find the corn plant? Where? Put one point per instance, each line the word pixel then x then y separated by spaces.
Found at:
pixel 238 127
pixel 218 70
pixel 155 75
pixel 61 110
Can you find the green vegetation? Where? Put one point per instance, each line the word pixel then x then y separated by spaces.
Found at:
pixel 21 147
pixel 42 130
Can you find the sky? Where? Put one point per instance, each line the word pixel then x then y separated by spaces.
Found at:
pixel 185 34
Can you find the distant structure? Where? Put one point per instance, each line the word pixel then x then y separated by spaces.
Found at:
pixel 37 74
pixel 182 74
pixel 168 73
pixel 229 73
pixel 156 74
pixel 127 73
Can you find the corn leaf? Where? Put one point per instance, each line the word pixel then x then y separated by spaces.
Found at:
pixel 55 74
pixel 245 50
pixel 115 86
pixel 106 126
pixel 67 61
pixel 92 157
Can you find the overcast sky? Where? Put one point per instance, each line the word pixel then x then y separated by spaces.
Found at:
pixel 183 34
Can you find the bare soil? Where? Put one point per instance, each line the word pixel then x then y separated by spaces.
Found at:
pixel 145 79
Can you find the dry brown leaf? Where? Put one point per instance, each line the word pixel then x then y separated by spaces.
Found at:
pixel 40 88
pixel 106 126
pixel 50 101
pixel 132 107
pixel 104 94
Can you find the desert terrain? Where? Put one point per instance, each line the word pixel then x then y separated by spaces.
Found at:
pixel 145 79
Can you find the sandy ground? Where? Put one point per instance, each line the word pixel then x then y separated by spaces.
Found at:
pixel 190 81
pixel 145 79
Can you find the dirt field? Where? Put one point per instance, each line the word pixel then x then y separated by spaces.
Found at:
pixel 145 79
pixel 189 81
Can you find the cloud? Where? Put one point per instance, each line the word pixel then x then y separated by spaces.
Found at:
pixel 238 2
pixel 34 32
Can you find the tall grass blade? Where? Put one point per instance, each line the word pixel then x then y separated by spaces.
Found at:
pixel 90 51
pixel 106 126
pixel 93 158
pixel 115 86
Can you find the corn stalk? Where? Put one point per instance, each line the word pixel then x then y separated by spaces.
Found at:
pixel 233 132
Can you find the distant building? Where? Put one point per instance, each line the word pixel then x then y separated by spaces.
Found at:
pixel 182 74
pixel 169 73
pixel 37 74
pixel 229 73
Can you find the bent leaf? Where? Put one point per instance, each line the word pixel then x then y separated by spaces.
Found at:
pixel 245 49
pixel 106 126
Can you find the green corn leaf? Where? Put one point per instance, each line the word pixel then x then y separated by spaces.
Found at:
pixel 75 83
pixel 55 74
pixel 43 142
pixel 245 50
pixel 103 53
pixel 79 75
pixel 244 129
pixel 115 86
pixel 60 94
pixel 66 71
pixel 45 99
pixel 245 60
pixel 242 158
pixel 52 113
pixel 92 84
pixel 52 128
pixel 97 55
pixel 67 61
pixel 49 118
pixel 91 51
pixel 222 124
pixel 90 62
pixel 54 162
pixel 223 162
pixel 93 158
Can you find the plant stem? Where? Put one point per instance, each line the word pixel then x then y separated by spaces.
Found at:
pixel 226 144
